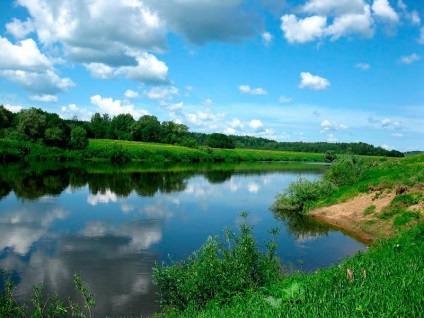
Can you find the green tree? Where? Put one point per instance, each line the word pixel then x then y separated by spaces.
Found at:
pixel 32 123
pixel 120 127
pixel 99 125
pixel 6 117
pixel 79 138
pixel 217 140
pixel 173 133
pixel 54 137
pixel 147 128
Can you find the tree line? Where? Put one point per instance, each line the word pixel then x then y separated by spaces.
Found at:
pixel 38 126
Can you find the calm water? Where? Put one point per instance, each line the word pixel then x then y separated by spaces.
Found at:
pixel 112 224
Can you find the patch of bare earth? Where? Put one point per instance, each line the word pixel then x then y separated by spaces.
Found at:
pixel 351 216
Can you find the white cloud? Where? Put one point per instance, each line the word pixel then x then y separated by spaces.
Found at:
pixel 101 71
pixel 383 10
pixel 205 118
pixel 399 135
pixel 303 30
pixel 329 125
pixel 130 94
pixel 72 110
pixel 20 29
pixel 115 107
pixel 283 99
pixel 44 98
pixel 267 38
pixel 313 82
pixel 252 91
pixel 162 93
pixel 409 59
pixel 22 57
pixel 25 65
pixel 106 197
pixel 256 124
pixel 13 108
pixel 363 66
pixel 148 70
pixel 352 23
pixel 130 25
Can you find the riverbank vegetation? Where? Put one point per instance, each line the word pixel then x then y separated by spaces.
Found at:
pixel 356 287
pixel 33 134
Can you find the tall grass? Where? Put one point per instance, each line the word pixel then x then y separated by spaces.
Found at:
pixel 386 281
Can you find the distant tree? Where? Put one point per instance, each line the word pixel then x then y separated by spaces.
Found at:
pixel 79 138
pixel 99 125
pixel 173 133
pixel 120 127
pixel 217 140
pixel 32 123
pixel 147 128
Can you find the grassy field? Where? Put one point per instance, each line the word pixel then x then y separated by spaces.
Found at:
pixel 140 151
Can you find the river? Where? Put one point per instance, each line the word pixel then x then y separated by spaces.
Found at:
pixel 111 224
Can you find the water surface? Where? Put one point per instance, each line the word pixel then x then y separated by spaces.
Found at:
pixel 112 224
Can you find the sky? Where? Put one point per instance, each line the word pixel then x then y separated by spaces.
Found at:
pixel 309 70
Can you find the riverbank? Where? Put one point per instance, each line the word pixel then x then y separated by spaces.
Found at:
pixel 126 151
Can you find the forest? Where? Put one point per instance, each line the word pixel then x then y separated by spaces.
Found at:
pixel 49 129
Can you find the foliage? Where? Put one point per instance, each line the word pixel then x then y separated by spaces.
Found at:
pixel 301 194
pixel 217 140
pixel 120 127
pixel 345 171
pixel 46 305
pixel 100 125
pixel 385 282
pixel 79 138
pixel 218 271
pixel 32 123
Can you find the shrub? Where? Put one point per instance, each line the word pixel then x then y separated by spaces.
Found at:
pixel 117 154
pixel 218 271
pixel 345 171
pixel 301 194
pixel 79 138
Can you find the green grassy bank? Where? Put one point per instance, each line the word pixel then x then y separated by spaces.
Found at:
pixel 125 151
pixel 386 281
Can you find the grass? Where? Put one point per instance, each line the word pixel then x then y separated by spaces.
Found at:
pixel 141 151
pixel 386 281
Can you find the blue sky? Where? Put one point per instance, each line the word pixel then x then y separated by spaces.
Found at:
pixel 312 70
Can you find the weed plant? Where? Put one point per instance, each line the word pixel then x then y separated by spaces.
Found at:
pixel 218 272
pixel 46 305
pixel 386 281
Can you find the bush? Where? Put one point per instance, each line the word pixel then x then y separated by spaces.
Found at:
pixel 301 194
pixel 79 138
pixel 218 271
pixel 345 171
pixel 117 154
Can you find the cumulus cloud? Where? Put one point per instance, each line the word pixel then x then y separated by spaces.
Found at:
pixel 72 110
pixel 256 124
pixel 25 65
pixel 246 89
pixel 329 125
pixel 162 93
pixel 205 118
pixel 302 30
pixel 383 10
pixel 352 23
pixel 412 16
pixel 334 7
pixel 116 107
pixel 363 66
pixel 20 29
pixel 130 25
pixel 225 21
pixel 313 81
pixel 130 94
pixel 44 98
pixel 409 59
